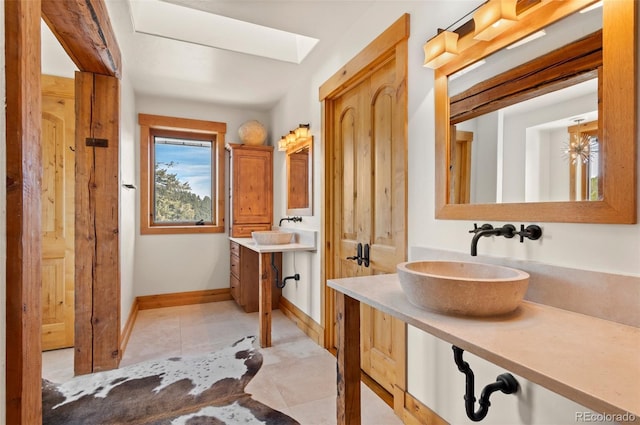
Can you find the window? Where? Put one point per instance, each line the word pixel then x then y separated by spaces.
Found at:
pixel 181 175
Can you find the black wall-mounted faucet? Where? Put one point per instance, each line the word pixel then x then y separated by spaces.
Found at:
pixel 294 219
pixel 508 231
pixel 533 232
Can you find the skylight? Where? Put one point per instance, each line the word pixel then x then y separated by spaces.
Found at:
pixel 158 18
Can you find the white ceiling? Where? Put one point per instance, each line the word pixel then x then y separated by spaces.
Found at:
pixel 168 67
pixel 178 22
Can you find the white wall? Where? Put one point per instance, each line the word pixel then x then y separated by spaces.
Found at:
pixel 128 197
pixel 484 154
pixel 182 263
pixel 606 248
pixel 291 111
pixel 515 140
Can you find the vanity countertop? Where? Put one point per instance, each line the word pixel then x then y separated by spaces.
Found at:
pixel 591 361
pixel 289 247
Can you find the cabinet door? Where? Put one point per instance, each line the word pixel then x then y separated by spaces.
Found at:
pixel 252 185
pixel 234 278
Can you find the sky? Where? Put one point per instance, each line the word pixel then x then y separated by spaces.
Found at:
pixel 192 164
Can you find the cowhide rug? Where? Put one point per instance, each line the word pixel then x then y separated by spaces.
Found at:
pixel 180 390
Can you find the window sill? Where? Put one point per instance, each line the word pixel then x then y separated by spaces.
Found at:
pixel 178 230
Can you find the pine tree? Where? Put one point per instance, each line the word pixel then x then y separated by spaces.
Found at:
pixel 175 200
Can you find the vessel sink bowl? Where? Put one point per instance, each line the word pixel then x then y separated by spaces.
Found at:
pixel 272 237
pixel 461 288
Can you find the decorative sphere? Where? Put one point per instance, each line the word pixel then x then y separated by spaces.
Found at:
pixel 252 133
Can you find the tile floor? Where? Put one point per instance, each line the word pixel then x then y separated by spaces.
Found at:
pixel 297 377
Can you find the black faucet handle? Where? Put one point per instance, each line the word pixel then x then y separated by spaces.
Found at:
pixel 476 229
pixel 532 231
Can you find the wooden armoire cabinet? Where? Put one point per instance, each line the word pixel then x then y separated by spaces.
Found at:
pixel 251 191
pixel 251 209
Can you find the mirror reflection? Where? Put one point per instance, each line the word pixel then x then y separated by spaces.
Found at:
pixel 524 122
pixel 541 150
pixel 300 178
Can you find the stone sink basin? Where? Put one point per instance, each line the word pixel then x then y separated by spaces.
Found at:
pixel 272 237
pixel 461 288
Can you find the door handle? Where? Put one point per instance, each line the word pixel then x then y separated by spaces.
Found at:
pixel 358 257
pixel 361 257
pixel 365 258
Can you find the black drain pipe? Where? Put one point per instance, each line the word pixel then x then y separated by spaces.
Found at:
pixel 276 272
pixel 504 382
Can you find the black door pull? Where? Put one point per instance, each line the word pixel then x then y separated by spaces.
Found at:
pixel 366 255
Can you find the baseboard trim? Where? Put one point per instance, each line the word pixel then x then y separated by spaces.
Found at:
pixel 416 413
pixel 309 326
pixel 128 327
pixel 378 389
pixel 183 298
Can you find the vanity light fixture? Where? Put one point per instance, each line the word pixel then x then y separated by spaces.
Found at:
pixel 493 17
pixel 440 49
pixel 302 131
pixel 299 134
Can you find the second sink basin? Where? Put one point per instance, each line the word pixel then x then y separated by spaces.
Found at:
pixel 461 288
pixel 272 237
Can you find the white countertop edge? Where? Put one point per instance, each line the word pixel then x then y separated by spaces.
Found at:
pixel 290 247
pixel 540 329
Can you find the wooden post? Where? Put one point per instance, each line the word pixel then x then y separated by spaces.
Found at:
pixel 348 379
pixel 264 299
pixel 24 168
pixel 97 249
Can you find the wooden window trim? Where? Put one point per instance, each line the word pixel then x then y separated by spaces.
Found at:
pixel 190 126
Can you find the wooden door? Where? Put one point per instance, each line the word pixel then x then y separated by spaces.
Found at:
pixel 58 210
pixel 460 164
pixel 370 207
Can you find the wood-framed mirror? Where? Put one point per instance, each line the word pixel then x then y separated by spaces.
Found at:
pixel 300 177
pixel 613 81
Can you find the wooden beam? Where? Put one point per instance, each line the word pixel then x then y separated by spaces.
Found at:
pixel 564 67
pixel 97 247
pixel 84 30
pixel 23 211
pixel 348 356
pixel 264 299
